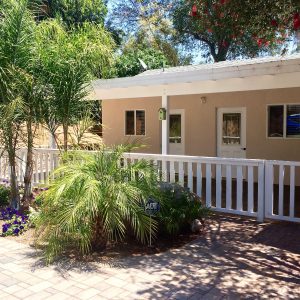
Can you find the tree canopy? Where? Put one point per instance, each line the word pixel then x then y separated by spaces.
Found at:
pixel 73 12
pixel 215 29
pixel 229 29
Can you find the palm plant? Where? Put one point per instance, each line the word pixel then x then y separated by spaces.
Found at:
pixel 69 59
pixel 95 199
pixel 17 83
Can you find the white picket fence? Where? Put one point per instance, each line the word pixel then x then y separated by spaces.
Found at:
pixel 250 187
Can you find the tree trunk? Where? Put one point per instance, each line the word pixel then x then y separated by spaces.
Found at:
pixel 29 163
pixel 65 131
pixel 15 196
pixel 99 239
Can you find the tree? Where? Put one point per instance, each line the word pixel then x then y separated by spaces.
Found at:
pixel 96 200
pixel 18 87
pixel 68 60
pixel 73 12
pixel 129 64
pixel 147 22
pixel 229 29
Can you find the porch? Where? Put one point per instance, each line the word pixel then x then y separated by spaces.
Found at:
pixel 262 189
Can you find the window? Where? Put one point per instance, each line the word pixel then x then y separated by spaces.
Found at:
pixel 135 122
pixel 284 121
pixel 175 128
pixel 231 129
pixel 276 121
pixel 293 121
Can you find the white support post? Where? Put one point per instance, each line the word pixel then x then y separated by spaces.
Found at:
pixel 165 127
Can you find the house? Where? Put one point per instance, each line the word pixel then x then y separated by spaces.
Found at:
pixel 238 109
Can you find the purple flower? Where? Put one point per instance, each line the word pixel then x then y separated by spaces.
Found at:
pixel 16 231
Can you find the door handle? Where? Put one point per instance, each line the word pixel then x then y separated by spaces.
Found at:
pixel 244 149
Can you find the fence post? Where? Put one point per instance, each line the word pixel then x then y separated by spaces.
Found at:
pixel 261 192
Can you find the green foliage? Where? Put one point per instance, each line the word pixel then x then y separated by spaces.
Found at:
pixel 146 24
pixel 128 63
pixel 93 199
pixel 68 61
pixel 178 211
pixel 4 195
pixel 73 12
pixel 33 217
pixel 19 87
pixel 38 201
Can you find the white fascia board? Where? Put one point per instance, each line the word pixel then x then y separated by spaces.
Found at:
pixel 264 82
pixel 209 73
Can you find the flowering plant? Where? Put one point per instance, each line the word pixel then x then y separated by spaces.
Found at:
pixel 15 222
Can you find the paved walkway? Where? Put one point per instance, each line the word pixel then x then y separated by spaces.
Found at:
pixel 236 259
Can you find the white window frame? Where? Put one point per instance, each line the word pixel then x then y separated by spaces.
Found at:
pixel 134 110
pixel 284 122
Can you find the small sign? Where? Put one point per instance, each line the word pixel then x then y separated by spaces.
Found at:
pixel 152 207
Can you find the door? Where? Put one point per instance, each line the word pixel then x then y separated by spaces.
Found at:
pixel 176 132
pixel 231 132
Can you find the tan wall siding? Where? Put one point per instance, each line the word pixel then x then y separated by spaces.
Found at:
pixel 113 118
pixel 200 127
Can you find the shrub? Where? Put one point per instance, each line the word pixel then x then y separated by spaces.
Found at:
pixel 180 208
pixel 33 216
pixel 15 222
pixel 4 195
pixel 93 199
pixel 38 199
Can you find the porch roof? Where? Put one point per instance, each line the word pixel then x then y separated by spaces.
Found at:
pixel 251 74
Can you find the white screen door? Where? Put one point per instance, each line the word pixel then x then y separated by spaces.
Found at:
pixel 176 132
pixel 231 132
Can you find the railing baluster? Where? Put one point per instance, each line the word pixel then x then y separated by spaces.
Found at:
pixel 239 188
pixel 156 165
pixel 199 180
pixel 172 171
pixel 164 170
pixel 208 185
pixel 190 176
pixel 181 173
pixel 38 180
pixel 218 186
pixel 262 198
pixel 47 167
pixel 228 187
pixel 41 167
pixel 292 191
pixel 51 164
pixel 250 189
pixel 281 187
pixel 270 189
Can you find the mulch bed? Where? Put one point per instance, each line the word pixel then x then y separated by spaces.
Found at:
pixel 128 247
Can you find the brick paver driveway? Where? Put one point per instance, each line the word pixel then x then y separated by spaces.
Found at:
pixel 236 259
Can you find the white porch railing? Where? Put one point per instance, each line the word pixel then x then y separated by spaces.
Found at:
pixel 239 186
pixel 221 182
pixel 282 194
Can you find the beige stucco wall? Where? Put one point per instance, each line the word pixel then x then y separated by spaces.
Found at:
pixel 200 122
pixel 113 118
